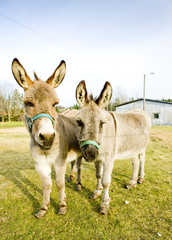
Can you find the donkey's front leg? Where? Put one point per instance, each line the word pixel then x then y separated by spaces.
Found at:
pixel 99 173
pixel 106 180
pixel 60 183
pixel 45 173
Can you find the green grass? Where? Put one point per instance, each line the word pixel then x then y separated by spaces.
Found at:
pixel 147 214
pixel 11 124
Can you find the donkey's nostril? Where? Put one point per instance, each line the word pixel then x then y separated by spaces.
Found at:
pixel 90 153
pixel 41 137
pixel 47 138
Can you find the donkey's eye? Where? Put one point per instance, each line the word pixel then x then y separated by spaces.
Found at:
pixel 29 104
pixel 101 124
pixel 80 123
pixel 55 104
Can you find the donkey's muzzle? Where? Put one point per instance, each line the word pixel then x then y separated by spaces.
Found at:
pixel 46 140
pixel 90 152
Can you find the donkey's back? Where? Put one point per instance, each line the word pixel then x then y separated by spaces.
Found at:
pixel 132 133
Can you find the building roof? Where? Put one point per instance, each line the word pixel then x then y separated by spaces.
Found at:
pixel 141 99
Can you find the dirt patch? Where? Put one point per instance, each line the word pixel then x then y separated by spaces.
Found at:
pixel 15 130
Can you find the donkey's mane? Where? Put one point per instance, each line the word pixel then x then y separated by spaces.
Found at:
pixel 91 98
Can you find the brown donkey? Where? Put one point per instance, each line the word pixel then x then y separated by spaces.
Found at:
pixel 106 136
pixel 53 138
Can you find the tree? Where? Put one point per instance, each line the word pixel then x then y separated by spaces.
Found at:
pixel 166 100
pixel 8 107
pixel 75 106
pixel 2 107
pixel 121 96
pixel 16 106
pixel 11 104
pixel 5 93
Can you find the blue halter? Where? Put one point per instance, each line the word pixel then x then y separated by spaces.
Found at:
pixel 31 120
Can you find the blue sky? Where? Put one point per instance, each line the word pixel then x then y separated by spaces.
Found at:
pixel 115 41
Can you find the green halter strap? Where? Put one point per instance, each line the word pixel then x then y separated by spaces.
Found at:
pixel 31 120
pixel 90 142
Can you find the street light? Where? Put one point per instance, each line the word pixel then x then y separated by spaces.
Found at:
pixel 144 89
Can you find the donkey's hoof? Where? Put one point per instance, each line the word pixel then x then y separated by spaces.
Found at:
pixel 94 196
pixel 130 186
pixel 71 178
pixel 62 210
pixel 41 213
pixel 104 210
pixel 140 181
pixel 79 187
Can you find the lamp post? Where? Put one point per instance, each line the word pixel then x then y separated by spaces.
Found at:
pixel 144 86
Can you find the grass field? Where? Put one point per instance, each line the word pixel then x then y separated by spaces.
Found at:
pixel 11 124
pixel 147 216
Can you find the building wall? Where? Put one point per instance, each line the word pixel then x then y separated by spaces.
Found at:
pixel 160 113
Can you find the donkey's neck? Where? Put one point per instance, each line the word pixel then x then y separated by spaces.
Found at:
pixel 66 127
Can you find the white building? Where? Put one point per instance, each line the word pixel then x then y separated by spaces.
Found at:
pixel 160 112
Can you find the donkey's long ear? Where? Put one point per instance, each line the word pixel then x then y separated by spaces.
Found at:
pixel 81 94
pixel 105 96
pixel 20 74
pixel 57 77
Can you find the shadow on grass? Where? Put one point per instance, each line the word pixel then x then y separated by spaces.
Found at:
pixel 11 170
pixel 120 179
pixel 86 193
